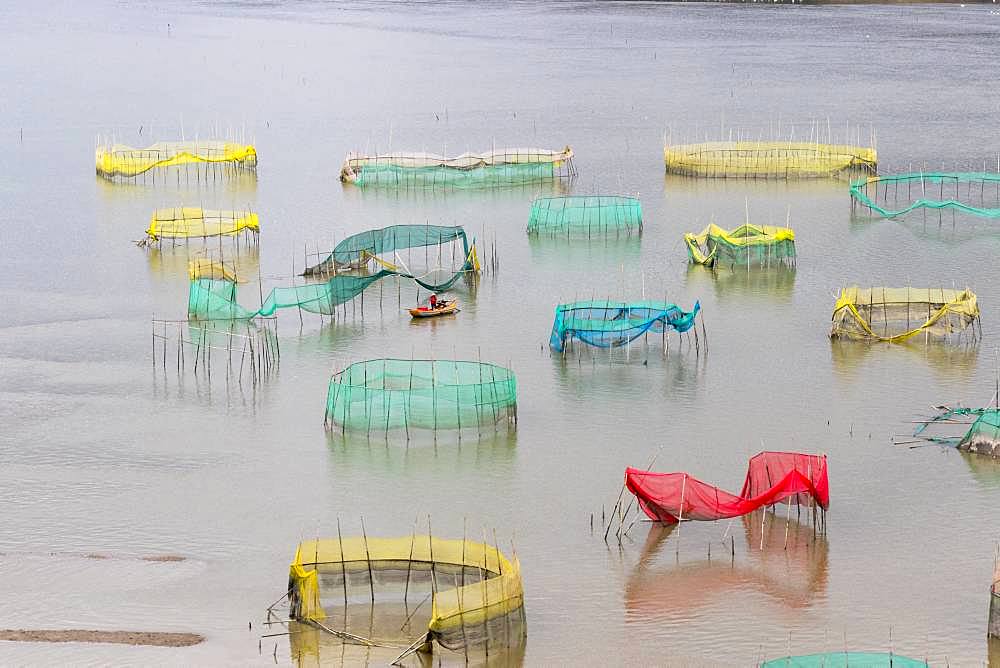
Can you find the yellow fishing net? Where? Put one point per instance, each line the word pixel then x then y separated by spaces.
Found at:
pixel 757 244
pixel 495 589
pixel 766 159
pixel 119 160
pixel 193 222
pixel 898 314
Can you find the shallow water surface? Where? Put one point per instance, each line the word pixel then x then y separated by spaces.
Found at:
pixel 103 453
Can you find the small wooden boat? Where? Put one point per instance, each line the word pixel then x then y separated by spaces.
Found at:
pixel 428 312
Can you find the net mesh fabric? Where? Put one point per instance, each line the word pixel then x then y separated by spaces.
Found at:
pixel 897 314
pixel 471 584
pixel 607 324
pixel 389 394
pixel 194 222
pixel 772 477
pixel 357 250
pixel 845 660
pixel 509 166
pixel 766 159
pixel 919 188
pixel 211 298
pixel 743 245
pixel 119 160
pixel 585 214
pixel 983 436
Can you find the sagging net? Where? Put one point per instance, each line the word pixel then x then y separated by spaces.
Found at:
pixel 586 215
pixel 394 394
pixel 845 660
pixel 897 314
pixel 607 324
pixel 983 437
pixel 500 167
pixel 976 193
pixel 772 477
pixel 213 298
pixel 745 246
pixel 120 161
pixel 767 159
pixel 185 223
pixel 358 250
pixel 475 591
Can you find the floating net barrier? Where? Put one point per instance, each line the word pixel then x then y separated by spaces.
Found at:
pixel 976 193
pixel 772 477
pixel 767 159
pixel 608 324
pixel 846 660
pixel 475 592
pixel 500 167
pixel 745 246
pixel 187 223
pixel 118 161
pixel 898 314
pixel 386 395
pixel 359 250
pixel 213 298
pixel 586 216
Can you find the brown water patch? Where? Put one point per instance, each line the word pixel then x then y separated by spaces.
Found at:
pixel 151 638
pixel 164 557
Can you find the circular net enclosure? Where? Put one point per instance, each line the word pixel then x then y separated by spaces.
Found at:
pixel 767 159
pixel 586 215
pixel 449 592
pixel 386 395
pixel 117 161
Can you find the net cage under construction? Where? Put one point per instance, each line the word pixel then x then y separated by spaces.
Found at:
pixel 890 196
pixel 388 395
pixel 186 224
pixel 215 157
pixel 610 324
pixel 586 216
pixel 744 246
pixel 375 591
pixel 895 315
pixel 767 159
pixel 496 168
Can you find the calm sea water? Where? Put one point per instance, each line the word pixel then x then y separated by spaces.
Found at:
pixel 99 454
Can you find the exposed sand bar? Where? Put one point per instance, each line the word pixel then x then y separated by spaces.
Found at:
pixel 152 638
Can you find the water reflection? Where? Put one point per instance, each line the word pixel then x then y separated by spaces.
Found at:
pixel 786 561
pixel 768 284
pixel 437 454
pixel 479 197
pixel 171 262
pixel 181 185
pixel 950 361
pixel 985 470
pixel 645 365
pixel 311 646
pixel 676 184
pixel 948 228
pixel 575 253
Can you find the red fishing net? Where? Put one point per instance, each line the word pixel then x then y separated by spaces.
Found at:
pixel 772 477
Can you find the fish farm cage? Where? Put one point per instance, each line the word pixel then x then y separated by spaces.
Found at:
pixel 895 315
pixel 974 193
pixel 209 158
pixel 587 216
pixel 767 159
pixel 496 168
pixel 185 224
pixel 387 395
pixel 744 246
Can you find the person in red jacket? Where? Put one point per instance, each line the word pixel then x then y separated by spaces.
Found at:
pixel 434 301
